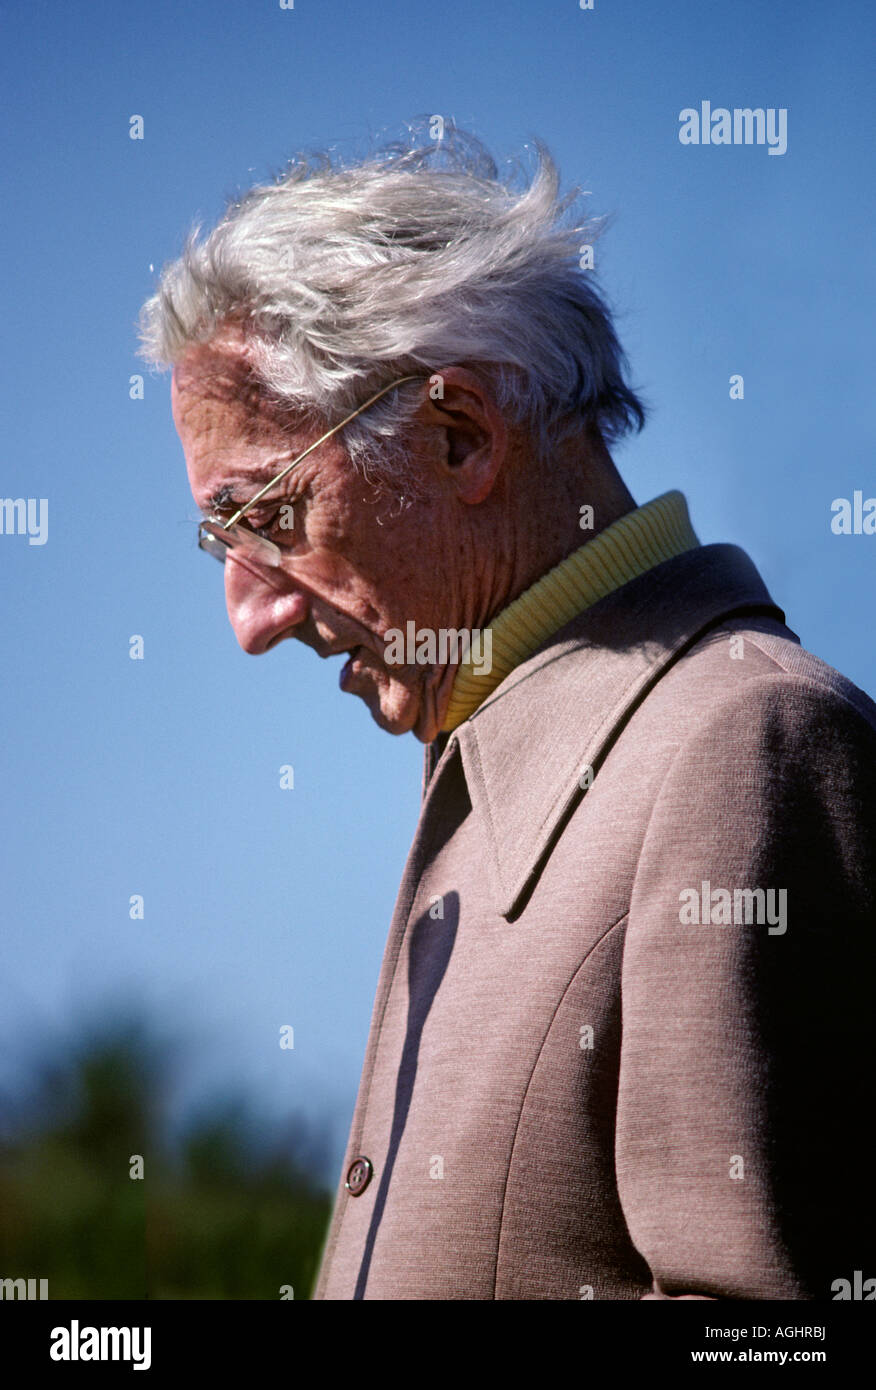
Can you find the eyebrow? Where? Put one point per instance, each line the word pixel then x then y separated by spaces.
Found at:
pixel 224 499
pixel 218 500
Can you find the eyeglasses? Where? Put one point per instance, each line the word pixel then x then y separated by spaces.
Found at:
pixel 217 538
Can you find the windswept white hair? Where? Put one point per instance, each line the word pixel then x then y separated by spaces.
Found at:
pixel 345 275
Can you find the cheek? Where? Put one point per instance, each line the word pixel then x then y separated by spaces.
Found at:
pixel 367 557
pixel 379 563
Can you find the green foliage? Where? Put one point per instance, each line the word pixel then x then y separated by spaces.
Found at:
pixel 210 1219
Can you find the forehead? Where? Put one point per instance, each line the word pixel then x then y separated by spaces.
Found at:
pixel 214 393
pixel 229 429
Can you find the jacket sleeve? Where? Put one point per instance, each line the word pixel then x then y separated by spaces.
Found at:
pixel 744 1110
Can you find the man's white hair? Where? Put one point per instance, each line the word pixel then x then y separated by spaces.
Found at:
pixel 345 275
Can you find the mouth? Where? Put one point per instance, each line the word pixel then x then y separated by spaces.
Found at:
pixel 348 667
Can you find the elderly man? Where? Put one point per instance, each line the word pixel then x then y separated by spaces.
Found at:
pixel 617 1044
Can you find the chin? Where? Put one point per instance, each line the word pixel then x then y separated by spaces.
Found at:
pixel 400 707
pixel 394 707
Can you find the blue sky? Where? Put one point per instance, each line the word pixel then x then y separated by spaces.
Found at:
pixel 266 907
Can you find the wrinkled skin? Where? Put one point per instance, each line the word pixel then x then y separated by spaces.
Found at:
pixel 356 565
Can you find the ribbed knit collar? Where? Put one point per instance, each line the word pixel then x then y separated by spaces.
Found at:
pixel 633 544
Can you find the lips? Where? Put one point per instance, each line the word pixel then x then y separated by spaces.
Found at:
pixel 347 668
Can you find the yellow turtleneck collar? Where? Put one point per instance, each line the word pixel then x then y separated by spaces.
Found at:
pixel 629 547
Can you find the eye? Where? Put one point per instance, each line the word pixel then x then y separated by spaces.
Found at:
pixel 261 530
pixel 277 524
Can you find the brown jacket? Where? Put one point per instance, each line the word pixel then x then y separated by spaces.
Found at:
pixel 592 1071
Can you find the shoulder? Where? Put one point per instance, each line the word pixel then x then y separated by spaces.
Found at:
pixel 752 683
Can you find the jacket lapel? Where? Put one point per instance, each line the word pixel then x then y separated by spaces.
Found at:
pixel 530 749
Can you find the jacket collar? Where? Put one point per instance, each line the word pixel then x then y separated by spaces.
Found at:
pixel 526 750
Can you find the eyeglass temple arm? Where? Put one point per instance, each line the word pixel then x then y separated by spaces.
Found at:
pixel 315 445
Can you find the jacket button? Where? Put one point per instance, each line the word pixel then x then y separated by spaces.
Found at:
pixel 359 1175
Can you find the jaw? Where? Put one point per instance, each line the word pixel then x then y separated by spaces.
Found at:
pixel 435 697
pixel 415 702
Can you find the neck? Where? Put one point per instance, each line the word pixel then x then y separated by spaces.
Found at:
pixel 530 525
pixel 547 517
pixel 635 543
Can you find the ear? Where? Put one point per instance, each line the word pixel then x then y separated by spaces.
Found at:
pixel 471 434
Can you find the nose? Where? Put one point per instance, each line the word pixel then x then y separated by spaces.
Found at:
pixel 261 604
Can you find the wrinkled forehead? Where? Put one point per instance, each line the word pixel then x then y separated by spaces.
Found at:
pixel 215 390
pixel 229 428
